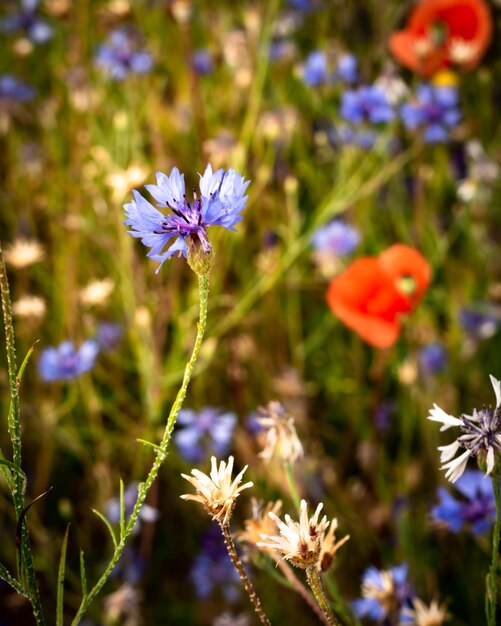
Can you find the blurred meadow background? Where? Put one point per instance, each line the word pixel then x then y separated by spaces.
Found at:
pixel 348 150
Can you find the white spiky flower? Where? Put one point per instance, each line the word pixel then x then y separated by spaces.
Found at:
pixel 282 440
pixel 23 253
pixel 217 492
pixel 481 437
pixel 298 542
pixel 96 292
pixel 423 615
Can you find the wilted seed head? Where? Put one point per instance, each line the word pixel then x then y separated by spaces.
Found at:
pixel 422 615
pixel 23 253
pixel 217 492
pixel 329 547
pixel 260 524
pixel 299 542
pixel 281 436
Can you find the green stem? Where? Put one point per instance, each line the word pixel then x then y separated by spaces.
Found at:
pixel 491 591
pixel 248 586
pixel 315 583
pixel 289 473
pixel 161 452
pixel 14 429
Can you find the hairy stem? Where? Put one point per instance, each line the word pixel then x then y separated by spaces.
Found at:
pixel 315 583
pixel 248 586
pixel 161 452
pixel 491 591
pixel 14 429
pixel 302 591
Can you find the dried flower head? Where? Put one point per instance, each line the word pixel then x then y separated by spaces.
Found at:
pixel 481 437
pixel 96 292
pixel 23 253
pixel 260 524
pixel 29 307
pixel 329 547
pixel 217 492
pixel 281 436
pixel 299 542
pixel 422 615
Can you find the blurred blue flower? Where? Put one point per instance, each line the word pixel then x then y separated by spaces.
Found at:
pixel 213 569
pixel 302 5
pixel 208 431
pixel 120 57
pixel 364 138
pixel 435 111
pixel 382 414
pixel 337 237
pixel 131 566
pixel 202 62
pixel 14 90
pixel 220 203
pixel 315 70
pixel 108 335
pixel 432 359
pixel 281 50
pixel 476 509
pixel 366 104
pixel 66 362
pixel 112 507
pixel 382 589
pixel 347 68
pixel 27 22
pixel 478 323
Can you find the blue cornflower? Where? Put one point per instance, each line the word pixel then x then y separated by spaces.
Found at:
pixel 14 90
pixel 386 593
pixel 432 359
pixel 28 22
pixel 66 362
pixel 315 70
pixel 347 68
pixel 108 335
pixel 346 135
pixel 366 104
pixel 213 569
pixel 220 203
pixel 337 237
pixel 208 431
pixel 480 324
pixel 120 57
pixel 202 62
pixel 435 110
pixel 477 508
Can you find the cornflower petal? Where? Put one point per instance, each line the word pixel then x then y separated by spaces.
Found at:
pixel 439 415
pixel 457 466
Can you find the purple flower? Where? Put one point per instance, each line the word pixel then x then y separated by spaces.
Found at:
pixel 432 359
pixel 337 237
pixel 476 509
pixel 108 335
pixel 366 104
pixel 478 323
pixel 213 569
pixel 14 90
pixel 28 23
pixel 221 201
pixel 205 432
pixel 382 589
pixel 66 362
pixel 315 70
pixel 435 111
pixel 202 62
pixel 120 57
pixel 347 68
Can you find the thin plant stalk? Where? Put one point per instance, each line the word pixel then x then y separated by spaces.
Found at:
pixel 302 591
pixel 315 583
pixel 161 452
pixel 289 473
pixel 248 586
pixel 491 591
pixel 26 566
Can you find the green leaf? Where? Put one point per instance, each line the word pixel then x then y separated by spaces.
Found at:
pixel 152 445
pixel 122 509
pixel 5 575
pixel 25 363
pixel 60 579
pixel 108 526
pixel 83 577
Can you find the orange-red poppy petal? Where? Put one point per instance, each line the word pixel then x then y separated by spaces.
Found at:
pixel 400 261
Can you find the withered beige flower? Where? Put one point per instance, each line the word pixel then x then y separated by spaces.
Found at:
pixel 260 523
pixel 96 292
pixel 281 436
pixel 217 492
pixel 330 546
pixel 423 615
pixel 23 253
pixel 29 307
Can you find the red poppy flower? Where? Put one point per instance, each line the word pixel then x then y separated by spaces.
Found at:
pixel 373 292
pixel 441 33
